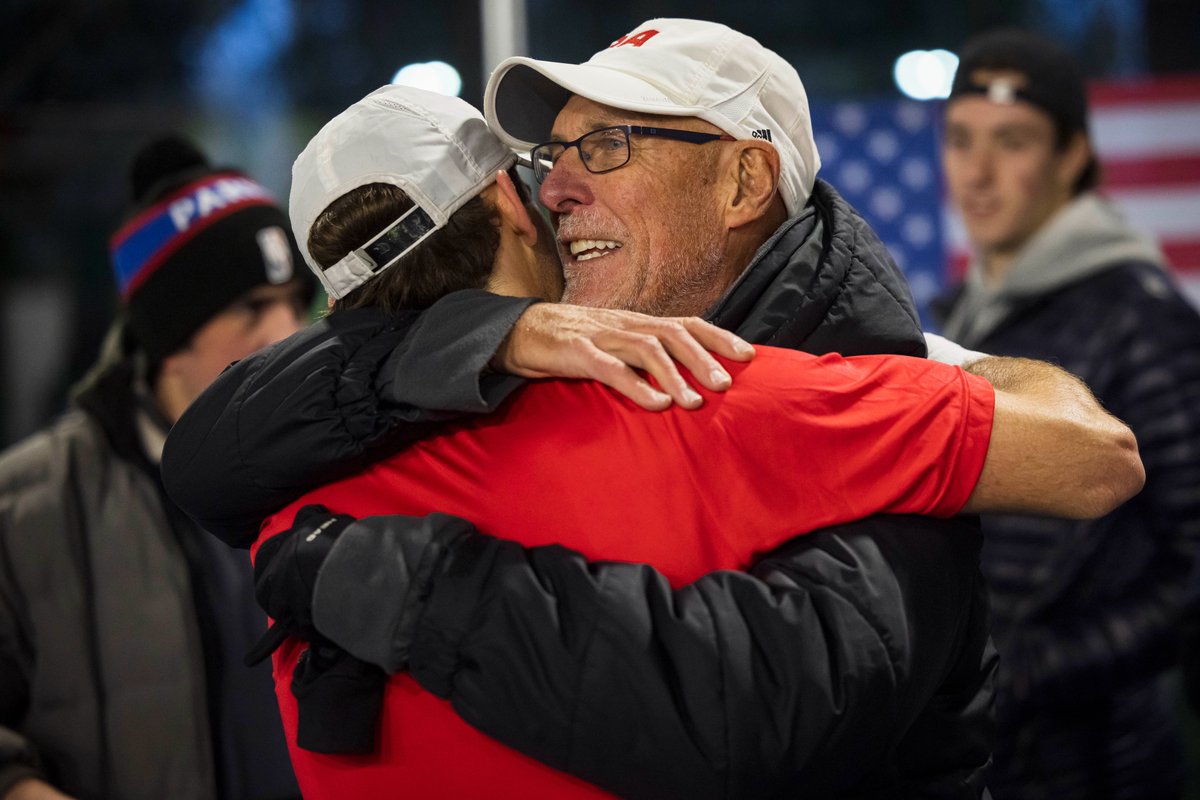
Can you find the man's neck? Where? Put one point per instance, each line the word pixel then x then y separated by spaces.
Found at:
pixel 744 242
pixel 996 265
pixel 998 262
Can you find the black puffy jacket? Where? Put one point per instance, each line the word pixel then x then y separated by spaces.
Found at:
pixel 851 662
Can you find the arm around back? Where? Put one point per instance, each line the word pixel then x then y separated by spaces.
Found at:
pixel 1054 449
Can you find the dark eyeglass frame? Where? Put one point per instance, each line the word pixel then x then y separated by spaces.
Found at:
pixel 542 165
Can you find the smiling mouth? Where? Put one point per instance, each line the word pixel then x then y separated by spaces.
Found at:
pixel 587 249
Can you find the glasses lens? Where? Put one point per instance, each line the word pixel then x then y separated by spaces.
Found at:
pixel 543 157
pixel 605 149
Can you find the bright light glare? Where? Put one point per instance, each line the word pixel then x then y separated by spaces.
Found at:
pixel 432 76
pixel 925 74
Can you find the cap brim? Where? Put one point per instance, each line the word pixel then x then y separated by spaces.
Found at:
pixel 524 97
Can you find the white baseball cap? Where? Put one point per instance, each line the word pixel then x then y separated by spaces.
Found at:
pixel 438 149
pixel 673 67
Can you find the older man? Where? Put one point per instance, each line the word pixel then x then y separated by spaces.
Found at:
pixel 779 265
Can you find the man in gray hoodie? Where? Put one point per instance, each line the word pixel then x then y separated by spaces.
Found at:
pixel 1086 615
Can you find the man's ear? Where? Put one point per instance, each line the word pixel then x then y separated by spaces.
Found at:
pixel 1074 160
pixel 755 174
pixel 513 212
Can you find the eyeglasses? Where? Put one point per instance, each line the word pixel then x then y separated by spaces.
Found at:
pixel 606 149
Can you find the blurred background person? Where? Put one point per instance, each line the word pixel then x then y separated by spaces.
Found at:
pixel 122 624
pixel 1085 615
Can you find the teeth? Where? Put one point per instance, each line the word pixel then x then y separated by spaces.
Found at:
pixel 599 245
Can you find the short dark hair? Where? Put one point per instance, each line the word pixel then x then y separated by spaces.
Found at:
pixel 459 255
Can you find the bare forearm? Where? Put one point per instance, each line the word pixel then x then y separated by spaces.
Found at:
pixel 1036 380
pixel 1054 449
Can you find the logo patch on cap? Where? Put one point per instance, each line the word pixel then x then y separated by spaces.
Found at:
pixel 1002 91
pixel 276 253
pixel 761 133
pixel 636 39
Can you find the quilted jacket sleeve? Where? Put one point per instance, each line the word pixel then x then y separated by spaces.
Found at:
pixel 1064 656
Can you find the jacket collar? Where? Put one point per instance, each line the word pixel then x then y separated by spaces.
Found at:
pixel 823 283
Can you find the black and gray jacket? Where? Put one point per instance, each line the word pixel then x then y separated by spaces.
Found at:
pixel 122 627
pixel 1087 615
pixel 851 662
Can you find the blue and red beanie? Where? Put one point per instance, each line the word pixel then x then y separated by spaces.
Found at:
pixel 197 239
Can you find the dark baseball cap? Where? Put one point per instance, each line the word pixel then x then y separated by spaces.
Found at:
pixel 1053 77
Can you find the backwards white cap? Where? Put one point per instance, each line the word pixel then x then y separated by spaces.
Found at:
pixel 438 149
pixel 673 67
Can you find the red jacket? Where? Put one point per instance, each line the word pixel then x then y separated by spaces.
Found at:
pixel 798 443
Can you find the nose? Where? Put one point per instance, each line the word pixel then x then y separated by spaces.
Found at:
pixel 567 185
pixel 980 166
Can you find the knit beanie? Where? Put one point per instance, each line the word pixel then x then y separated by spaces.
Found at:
pixel 195 240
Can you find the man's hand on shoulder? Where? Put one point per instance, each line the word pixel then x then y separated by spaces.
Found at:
pixel 566 341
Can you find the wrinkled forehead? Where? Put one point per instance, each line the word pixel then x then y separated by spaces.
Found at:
pixel 581 115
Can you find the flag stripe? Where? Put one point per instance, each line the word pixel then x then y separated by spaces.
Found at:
pixel 1179 88
pixel 1190 283
pixel 1147 134
pixel 1151 172
pixel 1137 131
pixel 1168 213
pixel 1183 255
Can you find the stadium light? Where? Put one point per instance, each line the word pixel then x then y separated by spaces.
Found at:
pixel 925 74
pixel 432 76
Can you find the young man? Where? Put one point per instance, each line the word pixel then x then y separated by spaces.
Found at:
pixel 823 281
pixel 1086 614
pixel 121 625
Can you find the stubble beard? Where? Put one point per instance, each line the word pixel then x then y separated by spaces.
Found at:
pixel 684 281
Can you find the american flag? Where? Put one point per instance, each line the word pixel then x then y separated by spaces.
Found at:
pixel 882 155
